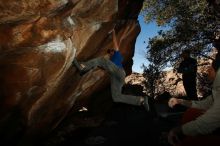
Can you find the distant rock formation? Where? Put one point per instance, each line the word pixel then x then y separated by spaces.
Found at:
pixel 39 40
pixel 171 81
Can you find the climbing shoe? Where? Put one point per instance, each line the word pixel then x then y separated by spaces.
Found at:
pixel 82 72
pixel 76 64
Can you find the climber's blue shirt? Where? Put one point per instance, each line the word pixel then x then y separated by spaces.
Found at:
pixel 117 59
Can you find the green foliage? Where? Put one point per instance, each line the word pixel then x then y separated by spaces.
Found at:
pixel 191 27
pixel 152 74
pixel 167 11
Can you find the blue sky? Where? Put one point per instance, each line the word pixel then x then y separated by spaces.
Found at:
pixel 147 31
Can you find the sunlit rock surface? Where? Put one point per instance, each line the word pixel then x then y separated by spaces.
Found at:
pixel 39 40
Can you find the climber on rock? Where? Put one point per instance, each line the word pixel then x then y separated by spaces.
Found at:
pixel 112 63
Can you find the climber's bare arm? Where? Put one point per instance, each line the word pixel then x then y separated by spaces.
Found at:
pixel 115 40
pixel 124 34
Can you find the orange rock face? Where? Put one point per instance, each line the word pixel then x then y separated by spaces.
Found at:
pixel 39 40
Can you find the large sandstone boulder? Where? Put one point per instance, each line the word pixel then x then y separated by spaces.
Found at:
pixel 39 40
